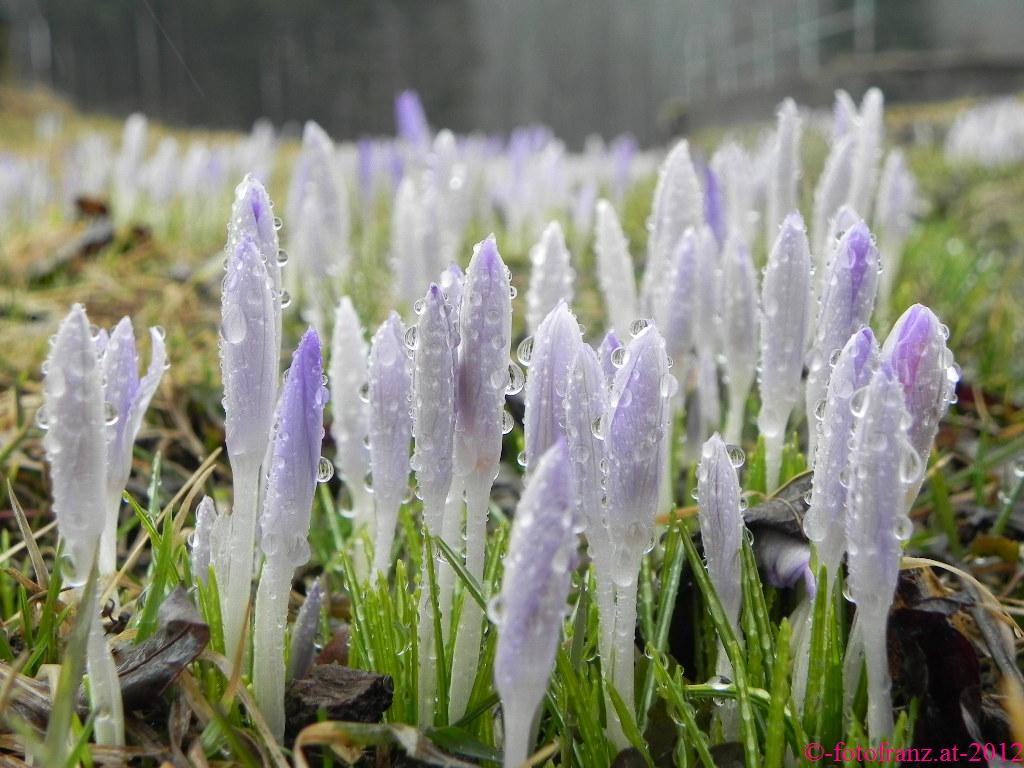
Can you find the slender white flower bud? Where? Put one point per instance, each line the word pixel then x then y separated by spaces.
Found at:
pixel 784 171
pixel 551 276
pixel 350 407
pixel 615 269
pixel 740 319
pixel 554 346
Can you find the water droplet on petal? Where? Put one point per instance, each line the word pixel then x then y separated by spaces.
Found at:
pixel 525 350
pixel 324 470
pixel 507 422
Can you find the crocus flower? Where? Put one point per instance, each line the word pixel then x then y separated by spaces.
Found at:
pixel 76 449
pixel 739 332
pixel 679 323
pixel 390 381
pixel 825 521
pixel 200 541
pixel 894 211
pixel 614 269
pixel 634 430
pixel 882 464
pixel 486 333
pixel 714 204
pixel 916 349
pixel 295 469
pixel 868 153
pixel 731 165
pixel 411 120
pixel 318 219
pixel 678 203
pixel 127 398
pixel 531 607
pixel 554 346
pixel 784 560
pixel 844 115
pixel 249 367
pixel 551 276
pixel 846 305
pixel 785 168
pixel 721 530
pixel 434 362
pixel 304 633
pixel 830 193
pixel 349 405
pixel 785 300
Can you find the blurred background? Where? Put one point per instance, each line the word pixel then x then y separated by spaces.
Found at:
pixel 653 68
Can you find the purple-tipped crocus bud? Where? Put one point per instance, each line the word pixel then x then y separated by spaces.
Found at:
pixel 304 633
pixel 785 168
pixel 714 204
pixel 739 332
pixel 390 432
pixel 531 607
pixel 127 398
pixel 295 463
pixel 252 217
pixel 554 346
pixel 201 540
pixel 721 530
pixel 295 468
pixel 551 276
pixel 681 304
pixel 607 355
pixel 485 332
pixel 634 433
pixel 883 464
pixel 844 115
pixel 785 300
pixel 830 193
pixel 76 440
pixel 846 305
pixel 349 405
pixel 784 560
pixel 868 154
pixel 678 203
pixel 411 120
pixel 249 357
pixel 825 522
pixel 614 269
pixel 434 364
pixel 916 349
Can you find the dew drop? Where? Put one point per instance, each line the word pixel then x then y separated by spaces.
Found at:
pixel 282 257
pixel 736 456
pixel 525 350
pixel 233 326
pixel 418 306
pixel 595 428
pixel 638 325
pixel 507 422
pixel 278 223
pixel 512 292
pixel 669 385
pixel 324 470
pixel 521 459
pixel 411 340
pixel 286 299
pixel 109 414
pixel 42 420
pixel 903 527
pixel 618 357
pixel 858 402
pixel 516 380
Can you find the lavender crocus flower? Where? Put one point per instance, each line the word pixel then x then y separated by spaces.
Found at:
pixel 721 528
pixel 434 365
pixel 681 307
pixel 390 433
pixel 916 349
pixel 634 430
pixel 868 153
pixel 846 305
pixel 554 345
pixel 785 168
pixel 714 204
pixel 295 468
pixel 76 449
pixel 551 276
pixel 486 333
pixel 830 193
pixel 784 560
pixel 785 300
pixel 201 540
pixel 531 607
pixel 678 203
pixel 740 319
pixel 894 211
pixel 825 521
pixel 349 405
pixel 127 398
pixel 844 115
pixel 411 120
pixel 883 462
pixel 304 633
pixel 732 166
pixel 614 269
pixel 249 355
